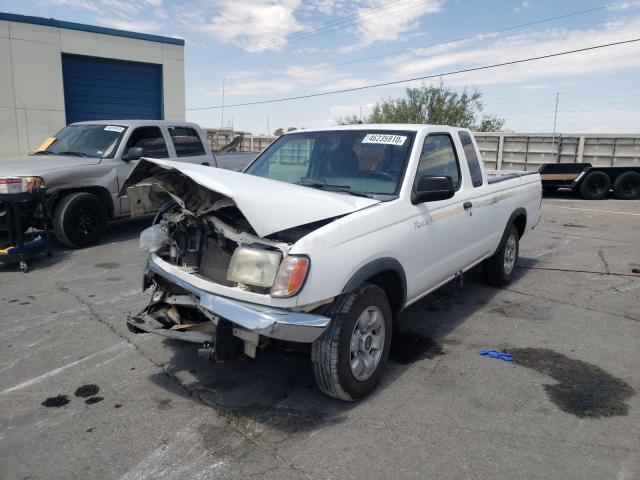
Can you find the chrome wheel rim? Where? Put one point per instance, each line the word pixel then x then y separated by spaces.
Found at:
pixel 510 254
pixel 367 343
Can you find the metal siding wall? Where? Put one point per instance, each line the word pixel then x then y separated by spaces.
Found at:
pixel 102 89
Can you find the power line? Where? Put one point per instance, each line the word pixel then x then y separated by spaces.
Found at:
pixel 426 77
pixel 320 29
pixel 446 42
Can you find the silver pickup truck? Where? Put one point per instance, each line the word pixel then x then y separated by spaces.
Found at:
pixel 85 164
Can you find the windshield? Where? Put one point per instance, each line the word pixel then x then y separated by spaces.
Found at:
pixel 99 141
pixel 353 161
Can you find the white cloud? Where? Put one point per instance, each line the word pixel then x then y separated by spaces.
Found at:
pixel 381 21
pixel 148 26
pixel 256 25
pixel 530 45
pixel 86 4
pixel 521 7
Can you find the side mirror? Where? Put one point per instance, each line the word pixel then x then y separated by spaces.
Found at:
pixel 134 153
pixel 430 189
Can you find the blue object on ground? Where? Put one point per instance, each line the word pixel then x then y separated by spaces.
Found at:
pixel 496 354
pixel 30 246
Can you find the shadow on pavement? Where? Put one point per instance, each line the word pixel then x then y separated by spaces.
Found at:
pixel 276 392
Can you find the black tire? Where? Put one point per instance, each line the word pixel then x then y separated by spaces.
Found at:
pixel 550 189
pixel 79 220
pixel 331 353
pixel 495 268
pixel 595 186
pixel 627 186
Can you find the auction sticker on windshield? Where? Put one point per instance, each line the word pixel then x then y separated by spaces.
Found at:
pixel 384 139
pixel 113 128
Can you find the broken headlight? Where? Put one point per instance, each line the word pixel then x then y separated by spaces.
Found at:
pixel 252 266
pixel 154 237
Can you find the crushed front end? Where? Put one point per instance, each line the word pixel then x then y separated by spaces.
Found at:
pixel 213 280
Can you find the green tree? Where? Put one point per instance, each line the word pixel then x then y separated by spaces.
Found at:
pixel 437 105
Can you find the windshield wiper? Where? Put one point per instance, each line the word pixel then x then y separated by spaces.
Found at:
pixel 43 152
pixel 334 188
pixel 73 154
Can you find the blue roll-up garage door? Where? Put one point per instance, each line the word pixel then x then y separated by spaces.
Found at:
pixel 103 89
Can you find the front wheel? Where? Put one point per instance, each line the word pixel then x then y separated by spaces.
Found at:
pixel 350 356
pixel 500 269
pixel 80 220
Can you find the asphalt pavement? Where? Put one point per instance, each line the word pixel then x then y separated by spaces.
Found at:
pixel 82 397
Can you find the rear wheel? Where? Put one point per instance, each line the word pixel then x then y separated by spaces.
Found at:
pixel 350 356
pixel 80 220
pixel 595 186
pixel 627 186
pixel 500 269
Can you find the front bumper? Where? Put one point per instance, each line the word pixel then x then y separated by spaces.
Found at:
pixel 280 324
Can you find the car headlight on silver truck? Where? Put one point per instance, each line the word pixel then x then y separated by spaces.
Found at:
pixel 9 185
pixel 252 266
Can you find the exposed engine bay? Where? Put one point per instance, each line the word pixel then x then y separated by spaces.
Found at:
pixel 204 234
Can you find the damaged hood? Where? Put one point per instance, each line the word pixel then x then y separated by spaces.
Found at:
pixel 269 206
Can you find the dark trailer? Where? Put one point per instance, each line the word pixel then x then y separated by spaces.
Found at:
pixel 593 183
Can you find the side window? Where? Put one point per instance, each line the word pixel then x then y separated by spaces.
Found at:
pixel 150 139
pixel 472 159
pixel 438 159
pixel 186 141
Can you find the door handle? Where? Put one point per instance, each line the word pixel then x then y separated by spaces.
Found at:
pixel 467 205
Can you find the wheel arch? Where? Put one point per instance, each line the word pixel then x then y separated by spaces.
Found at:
pixel 101 192
pixel 388 274
pixel 519 219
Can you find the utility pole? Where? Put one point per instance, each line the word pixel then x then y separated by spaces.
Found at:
pixel 360 114
pixel 268 126
pixel 555 119
pixel 222 109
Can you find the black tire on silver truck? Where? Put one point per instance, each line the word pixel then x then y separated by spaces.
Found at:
pixel 501 267
pixel 350 356
pixel 595 186
pixel 79 220
pixel 627 186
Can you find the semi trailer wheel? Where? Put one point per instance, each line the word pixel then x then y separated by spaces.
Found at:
pixel 627 186
pixel 595 186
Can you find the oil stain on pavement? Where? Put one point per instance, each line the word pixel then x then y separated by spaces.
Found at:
pixel 87 391
pixel 56 402
pixel 583 390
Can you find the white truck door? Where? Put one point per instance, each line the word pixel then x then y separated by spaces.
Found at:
pixel 189 146
pixel 154 145
pixel 486 219
pixel 440 245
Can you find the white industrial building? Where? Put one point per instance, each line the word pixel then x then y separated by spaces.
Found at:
pixel 55 72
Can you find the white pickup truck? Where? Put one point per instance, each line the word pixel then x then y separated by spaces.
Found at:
pixel 324 239
pixel 84 165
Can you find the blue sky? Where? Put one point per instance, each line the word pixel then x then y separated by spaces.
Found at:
pixel 281 48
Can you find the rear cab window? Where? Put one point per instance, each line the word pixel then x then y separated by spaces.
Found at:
pixel 186 142
pixel 472 159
